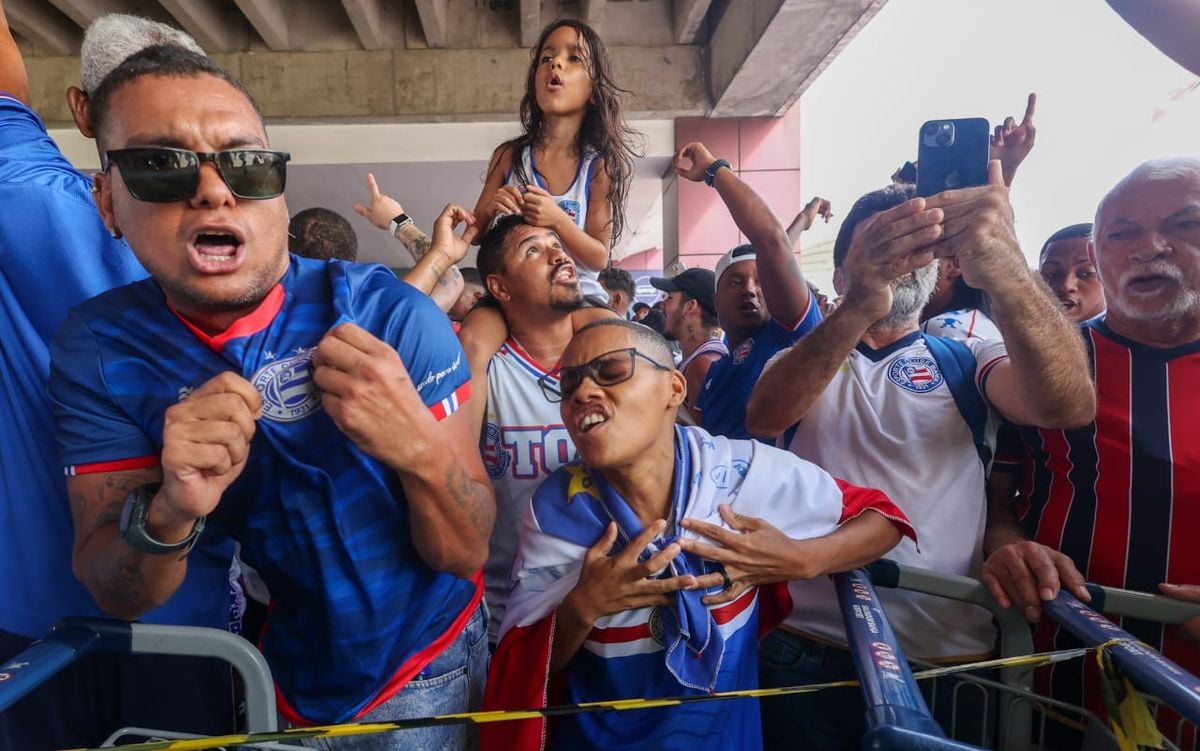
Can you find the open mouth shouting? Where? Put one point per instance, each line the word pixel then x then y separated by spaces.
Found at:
pixel 591 419
pixel 555 82
pixel 216 249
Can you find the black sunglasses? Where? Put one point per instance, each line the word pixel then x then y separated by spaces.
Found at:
pixel 164 175
pixel 607 369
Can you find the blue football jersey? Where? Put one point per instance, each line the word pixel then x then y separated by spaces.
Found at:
pixel 355 610
pixel 730 380
pixel 54 254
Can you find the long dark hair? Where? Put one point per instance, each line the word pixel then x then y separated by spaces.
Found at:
pixel 604 129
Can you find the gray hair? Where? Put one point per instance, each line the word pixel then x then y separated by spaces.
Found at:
pixel 112 38
pixel 1167 168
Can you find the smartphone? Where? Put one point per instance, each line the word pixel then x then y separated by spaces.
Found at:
pixel 952 154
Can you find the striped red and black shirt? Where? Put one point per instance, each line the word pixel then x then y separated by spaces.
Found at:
pixel 1121 496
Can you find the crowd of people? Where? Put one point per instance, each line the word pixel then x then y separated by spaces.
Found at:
pixel 501 486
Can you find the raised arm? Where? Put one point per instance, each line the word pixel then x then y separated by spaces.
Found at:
pixel 889 245
pixel 817 207
pixel 437 274
pixel 1046 382
pixel 381 210
pixel 14 79
pixel 779 273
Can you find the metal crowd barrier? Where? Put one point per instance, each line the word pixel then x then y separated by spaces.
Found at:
pixel 72 639
pixel 1150 672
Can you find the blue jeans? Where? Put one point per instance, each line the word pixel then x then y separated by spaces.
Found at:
pixel 836 718
pixel 453 682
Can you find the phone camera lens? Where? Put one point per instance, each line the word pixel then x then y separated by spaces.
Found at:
pixel 929 129
pixel 943 138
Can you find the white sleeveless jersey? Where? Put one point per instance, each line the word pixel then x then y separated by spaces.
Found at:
pixel 574 203
pixel 522 442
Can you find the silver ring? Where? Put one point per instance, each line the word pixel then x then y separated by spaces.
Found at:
pixel 726 582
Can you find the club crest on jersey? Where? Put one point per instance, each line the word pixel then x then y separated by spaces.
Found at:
pixel 742 352
pixel 495 457
pixel 917 374
pixel 571 209
pixel 287 387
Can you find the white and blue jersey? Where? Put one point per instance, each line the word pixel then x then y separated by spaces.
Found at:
pixel 355 610
pixel 730 380
pixel 54 254
pixel 574 204
pixel 523 442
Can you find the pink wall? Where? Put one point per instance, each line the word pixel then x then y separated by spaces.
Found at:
pixel 763 151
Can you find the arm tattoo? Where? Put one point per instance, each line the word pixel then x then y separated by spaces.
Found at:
pixel 451 276
pixel 417 242
pixel 470 498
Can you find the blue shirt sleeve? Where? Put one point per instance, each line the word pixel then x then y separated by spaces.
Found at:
pixel 23 137
pixel 90 427
pixel 420 332
pixel 809 321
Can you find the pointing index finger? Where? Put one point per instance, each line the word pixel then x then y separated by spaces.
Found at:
pixel 1029 108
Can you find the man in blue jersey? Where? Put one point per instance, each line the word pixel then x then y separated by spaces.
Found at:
pixel 55 253
pixel 306 409
pixel 761 296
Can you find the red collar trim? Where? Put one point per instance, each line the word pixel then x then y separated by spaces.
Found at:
pixel 515 347
pixel 251 323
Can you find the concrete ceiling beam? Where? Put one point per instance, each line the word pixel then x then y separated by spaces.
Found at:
pixel 43 26
pixel 213 29
pixel 763 57
pixel 688 19
pixel 367 18
pixel 593 11
pixel 433 21
pixel 531 21
pixel 270 19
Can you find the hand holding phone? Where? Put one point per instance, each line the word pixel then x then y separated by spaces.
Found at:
pixel 952 154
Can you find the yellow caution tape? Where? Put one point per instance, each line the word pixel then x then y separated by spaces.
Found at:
pixel 618 705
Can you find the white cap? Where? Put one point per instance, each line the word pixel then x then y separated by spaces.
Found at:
pixel 744 253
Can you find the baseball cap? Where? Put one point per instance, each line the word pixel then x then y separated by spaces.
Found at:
pixel 737 255
pixel 698 284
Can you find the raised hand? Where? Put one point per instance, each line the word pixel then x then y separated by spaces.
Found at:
pixel 886 247
pixel 610 584
pixel 978 230
pixel 692 161
pixel 206 440
pixel 444 241
pixel 1011 141
pixel 817 207
pixel 368 393
pixel 508 200
pixel 382 209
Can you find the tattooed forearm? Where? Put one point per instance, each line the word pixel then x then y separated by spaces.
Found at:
pixel 472 498
pixel 125 582
pixel 452 276
pixel 417 242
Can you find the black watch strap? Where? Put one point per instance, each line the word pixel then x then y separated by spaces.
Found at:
pixel 133 524
pixel 710 174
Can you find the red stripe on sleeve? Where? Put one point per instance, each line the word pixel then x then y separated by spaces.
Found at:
pixel 856 500
pixel 450 404
pixel 1114 456
pixel 120 465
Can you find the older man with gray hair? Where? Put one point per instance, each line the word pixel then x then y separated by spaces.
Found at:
pixel 1118 501
pixel 54 254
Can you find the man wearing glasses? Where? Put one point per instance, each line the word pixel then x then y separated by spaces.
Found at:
pixel 614 596
pixel 306 409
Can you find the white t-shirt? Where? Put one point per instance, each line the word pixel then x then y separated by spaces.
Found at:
pixel 888 420
pixel 522 442
pixel 966 323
